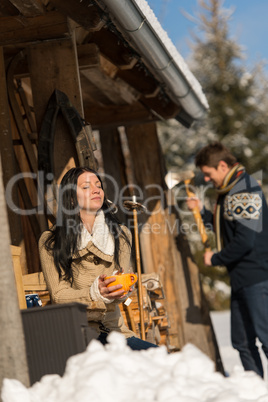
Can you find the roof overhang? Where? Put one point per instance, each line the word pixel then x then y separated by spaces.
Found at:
pixel 136 21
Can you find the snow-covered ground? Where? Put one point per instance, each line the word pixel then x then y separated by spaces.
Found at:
pixel 230 356
pixel 116 373
pixel 221 325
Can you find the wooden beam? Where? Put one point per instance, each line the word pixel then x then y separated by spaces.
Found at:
pixel 101 73
pixel 113 48
pixel 114 116
pixel 109 68
pixel 29 8
pixel 116 92
pixel 85 14
pixel 52 25
pixel 88 56
pixel 162 106
pixel 140 80
pixel 92 95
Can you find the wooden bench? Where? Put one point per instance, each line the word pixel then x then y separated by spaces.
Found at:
pixel 27 284
pixel 156 320
pixel 35 283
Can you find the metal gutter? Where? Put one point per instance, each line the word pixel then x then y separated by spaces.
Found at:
pixel 178 84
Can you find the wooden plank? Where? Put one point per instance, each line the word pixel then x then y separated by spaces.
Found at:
pixel 114 116
pixel 27 203
pixel 35 281
pixel 17 113
pixel 52 25
pixel 27 110
pixel 16 252
pixel 29 8
pixel 7 156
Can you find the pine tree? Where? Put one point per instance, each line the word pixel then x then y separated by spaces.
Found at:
pixel 238 102
pixel 238 98
pixel 233 93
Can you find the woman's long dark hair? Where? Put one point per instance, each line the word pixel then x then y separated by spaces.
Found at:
pixel 66 234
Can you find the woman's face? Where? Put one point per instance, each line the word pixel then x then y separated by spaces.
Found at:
pixel 90 195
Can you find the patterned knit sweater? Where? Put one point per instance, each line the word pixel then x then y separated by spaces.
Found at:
pixel 243 229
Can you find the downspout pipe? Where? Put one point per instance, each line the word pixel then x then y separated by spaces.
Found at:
pixel 169 66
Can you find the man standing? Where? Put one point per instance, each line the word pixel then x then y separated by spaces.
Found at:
pixel 240 222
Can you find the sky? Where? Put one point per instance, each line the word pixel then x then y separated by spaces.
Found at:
pixel 118 374
pixel 248 25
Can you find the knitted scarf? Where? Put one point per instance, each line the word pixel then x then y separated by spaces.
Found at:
pixel 100 237
pixel 229 182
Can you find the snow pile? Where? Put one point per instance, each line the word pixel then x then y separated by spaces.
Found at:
pixel 116 373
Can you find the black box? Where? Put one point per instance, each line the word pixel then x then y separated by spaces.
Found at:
pixel 53 334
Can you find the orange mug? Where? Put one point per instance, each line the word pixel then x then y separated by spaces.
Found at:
pixel 126 280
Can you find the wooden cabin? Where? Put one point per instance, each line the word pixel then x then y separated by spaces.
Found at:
pixel 86 82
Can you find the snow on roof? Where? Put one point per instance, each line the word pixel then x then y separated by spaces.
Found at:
pixel 171 49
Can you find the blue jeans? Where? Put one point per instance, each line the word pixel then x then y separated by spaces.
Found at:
pixel 133 342
pixel 249 320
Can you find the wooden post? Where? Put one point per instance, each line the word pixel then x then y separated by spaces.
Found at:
pixel 138 263
pixel 53 65
pixel 156 246
pixel 13 362
pixel 166 251
pixel 7 155
pixel 114 166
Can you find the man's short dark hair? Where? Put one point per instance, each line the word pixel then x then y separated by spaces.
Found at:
pixel 212 154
